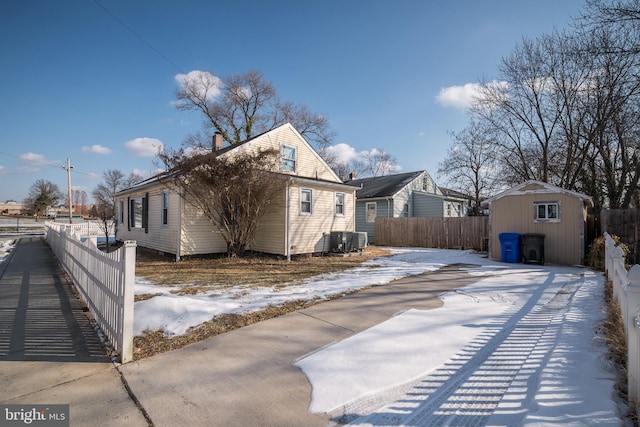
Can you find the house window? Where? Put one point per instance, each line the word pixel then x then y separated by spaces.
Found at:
pixel 288 158
pixel 547 211
pixel 121 211
pixel 306 201
pixel 405 210
pixel 165 208
pixel 372 211
pixel 340 204
pixel 135 214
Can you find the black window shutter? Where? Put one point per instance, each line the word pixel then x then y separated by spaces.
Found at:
pixel 145 213
pixel 130 213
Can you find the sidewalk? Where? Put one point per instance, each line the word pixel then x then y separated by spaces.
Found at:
pixel 49 352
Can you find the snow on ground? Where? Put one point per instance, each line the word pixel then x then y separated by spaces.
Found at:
pixel 518 347
pixel 174 314
pixel 6 246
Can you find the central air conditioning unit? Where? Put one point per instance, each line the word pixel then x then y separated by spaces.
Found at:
pixel 340 241
pixel 359 240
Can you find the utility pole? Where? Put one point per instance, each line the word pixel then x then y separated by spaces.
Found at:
pixel 68 169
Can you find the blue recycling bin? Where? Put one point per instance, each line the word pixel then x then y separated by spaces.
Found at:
pixel 510 247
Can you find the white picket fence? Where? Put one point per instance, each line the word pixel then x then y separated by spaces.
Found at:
pixel 626 290
pixel 105 280
pixel 90 228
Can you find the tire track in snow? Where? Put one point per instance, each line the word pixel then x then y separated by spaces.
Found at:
pixel 467 390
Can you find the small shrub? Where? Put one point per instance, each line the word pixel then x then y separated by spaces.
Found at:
pixel 596 256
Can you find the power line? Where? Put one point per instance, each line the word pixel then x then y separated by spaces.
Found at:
pixel 139 37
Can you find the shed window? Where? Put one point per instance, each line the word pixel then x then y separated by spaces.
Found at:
pixel 372 211
pixel 547 211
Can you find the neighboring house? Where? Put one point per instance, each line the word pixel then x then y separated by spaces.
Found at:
pixel 539 208
pixel 401 195
pixel 314 203
pixel 456 204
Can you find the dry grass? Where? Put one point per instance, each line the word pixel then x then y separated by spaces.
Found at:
pixel 616 339
pixel 220 273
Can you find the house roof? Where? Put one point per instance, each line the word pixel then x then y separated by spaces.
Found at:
pixel 533 186
pixel 383 186
pixel 154 180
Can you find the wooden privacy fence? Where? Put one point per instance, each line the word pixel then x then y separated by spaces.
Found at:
pixel 446 233
pixel 105 281
pixel 626 290
pixel 624 223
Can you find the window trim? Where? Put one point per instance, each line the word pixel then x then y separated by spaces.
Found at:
pixel 304 202
pixel 546 204
pixel 284 159
pixel 366 212
pixel 342 205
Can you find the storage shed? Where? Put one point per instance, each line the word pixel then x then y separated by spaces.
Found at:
pixel 535 207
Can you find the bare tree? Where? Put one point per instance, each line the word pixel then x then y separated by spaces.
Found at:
pixel 471 161
pixel 105 197
pixel 243 106
pixel 43 194
pixel 376 162
pixel 233 191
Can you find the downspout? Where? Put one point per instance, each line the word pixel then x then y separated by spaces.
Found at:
pixel 288 220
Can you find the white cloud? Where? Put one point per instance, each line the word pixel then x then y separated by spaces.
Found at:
pixel 37 159
pixel 343 153
pixel 96 149
pixel 3 170
pixel 202 84
pixel 463 97
pixel 144 147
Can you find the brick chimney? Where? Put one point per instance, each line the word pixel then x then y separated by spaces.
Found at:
pixel 352 176
pixel 217 141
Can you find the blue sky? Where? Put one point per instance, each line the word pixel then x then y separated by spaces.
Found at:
pixel 390 75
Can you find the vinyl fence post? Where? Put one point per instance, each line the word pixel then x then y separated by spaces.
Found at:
pixel 633 343
pixel 129 273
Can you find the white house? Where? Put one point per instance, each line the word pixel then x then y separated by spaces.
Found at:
pixel 314 203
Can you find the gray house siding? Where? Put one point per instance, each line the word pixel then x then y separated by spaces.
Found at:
pixel 427 205
pixel 385 208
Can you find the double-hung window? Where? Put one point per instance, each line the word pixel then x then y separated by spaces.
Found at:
pixel 135 216
pixel 339 204
pixel 164 208
pixel 372 211
pixel 288 155
pixel 547 211
pixel 306 201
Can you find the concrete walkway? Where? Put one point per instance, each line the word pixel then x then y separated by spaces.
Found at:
pixel 49 352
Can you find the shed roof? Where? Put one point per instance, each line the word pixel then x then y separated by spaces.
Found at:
pixel 533 186
pixel 383 186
